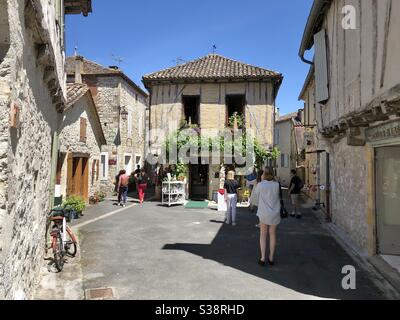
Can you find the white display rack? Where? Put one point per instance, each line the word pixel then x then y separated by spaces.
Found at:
pixel 173 193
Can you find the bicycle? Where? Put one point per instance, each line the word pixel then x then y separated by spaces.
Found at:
pixel 63 241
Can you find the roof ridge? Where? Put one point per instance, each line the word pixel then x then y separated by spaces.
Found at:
pixel 212 66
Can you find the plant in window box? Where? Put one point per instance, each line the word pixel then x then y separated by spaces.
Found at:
pixel 238 118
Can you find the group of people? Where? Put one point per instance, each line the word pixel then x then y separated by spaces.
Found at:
pixel 267 197
pixel 122 185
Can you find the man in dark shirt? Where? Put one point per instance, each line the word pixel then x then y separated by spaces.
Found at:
pixel 231 187
pixel 294 192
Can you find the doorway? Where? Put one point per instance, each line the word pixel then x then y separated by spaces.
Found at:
pixel 387 188
pixel 78 176
pixel 128 164
pixel 199 182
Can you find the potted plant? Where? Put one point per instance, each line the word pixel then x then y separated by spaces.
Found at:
pixel 76 204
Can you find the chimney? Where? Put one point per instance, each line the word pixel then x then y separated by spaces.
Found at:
pixel 78 69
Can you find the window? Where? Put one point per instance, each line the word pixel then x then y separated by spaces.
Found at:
pixel 191 105
pixel 140 127
pixel 284 160
pixel 138 160
pixel 129 124
pixel 235 104
pixel 83 129
pixel 277 136
pixel 104 166
pixel 321 67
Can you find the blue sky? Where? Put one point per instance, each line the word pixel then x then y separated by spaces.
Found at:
pixel 150 35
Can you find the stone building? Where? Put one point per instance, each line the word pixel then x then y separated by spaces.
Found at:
pixel 289 133
pixel 207 92
pixel 32 98
pixel 122 106
pixel 81 139
pixel 355 89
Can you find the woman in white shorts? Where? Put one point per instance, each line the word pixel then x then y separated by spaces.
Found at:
pixel 269 213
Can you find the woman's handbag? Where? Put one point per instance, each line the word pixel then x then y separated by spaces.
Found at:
pixel 284 212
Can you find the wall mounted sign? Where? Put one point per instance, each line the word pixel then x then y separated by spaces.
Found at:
pixel 385 131
pixel 14 116
pixel 112 162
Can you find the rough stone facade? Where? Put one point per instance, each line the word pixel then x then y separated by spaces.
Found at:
pixel 110 94
pixel 70 141
pixel 115 94
pixel 26 150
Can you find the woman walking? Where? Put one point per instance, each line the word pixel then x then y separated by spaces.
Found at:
pixel 142 180
pixel 231 187
pixel 116 186
pixel 269 209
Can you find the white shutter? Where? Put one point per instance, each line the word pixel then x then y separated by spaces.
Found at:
pixel 321 67
pixel 129 124
pixel 104 166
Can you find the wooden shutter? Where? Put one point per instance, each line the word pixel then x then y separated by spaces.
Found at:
pixel 321 67
pixel 70 174
pixel 85 178
pixel 97 169
pixel 83 127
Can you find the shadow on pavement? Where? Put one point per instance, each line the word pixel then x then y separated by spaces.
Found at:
pixel 308 259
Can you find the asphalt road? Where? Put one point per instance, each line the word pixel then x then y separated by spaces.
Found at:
pixel 153 252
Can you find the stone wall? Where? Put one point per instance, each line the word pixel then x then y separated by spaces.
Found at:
pixel 70 140
pixel 349 185
pixel 29 149
pixel 109 93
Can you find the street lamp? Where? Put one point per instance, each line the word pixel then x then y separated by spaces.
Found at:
pixel 124 113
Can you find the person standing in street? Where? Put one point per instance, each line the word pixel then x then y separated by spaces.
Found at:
pixel 269 214
pixel 123 188
pixel 231 187
pixel 116 186
pixel 296 184
pixel 142 180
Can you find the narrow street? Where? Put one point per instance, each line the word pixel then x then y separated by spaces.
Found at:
pixel 153 252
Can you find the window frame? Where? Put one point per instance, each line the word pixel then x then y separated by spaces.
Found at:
pixel 104 177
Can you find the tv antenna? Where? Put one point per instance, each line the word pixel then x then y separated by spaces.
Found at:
pixel 178 61
pixel 118 59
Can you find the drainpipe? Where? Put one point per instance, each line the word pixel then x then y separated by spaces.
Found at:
pixel 318 11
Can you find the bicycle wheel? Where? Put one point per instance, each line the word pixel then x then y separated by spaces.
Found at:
pixel 71 247
pixel 58 252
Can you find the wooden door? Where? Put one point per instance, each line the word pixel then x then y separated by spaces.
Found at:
pixel 85 179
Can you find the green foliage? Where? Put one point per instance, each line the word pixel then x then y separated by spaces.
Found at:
pixel 239 118
pixel 243 143
pixel 181 170
pixel 75 203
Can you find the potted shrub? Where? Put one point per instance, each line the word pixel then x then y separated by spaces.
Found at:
pixel 75 203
